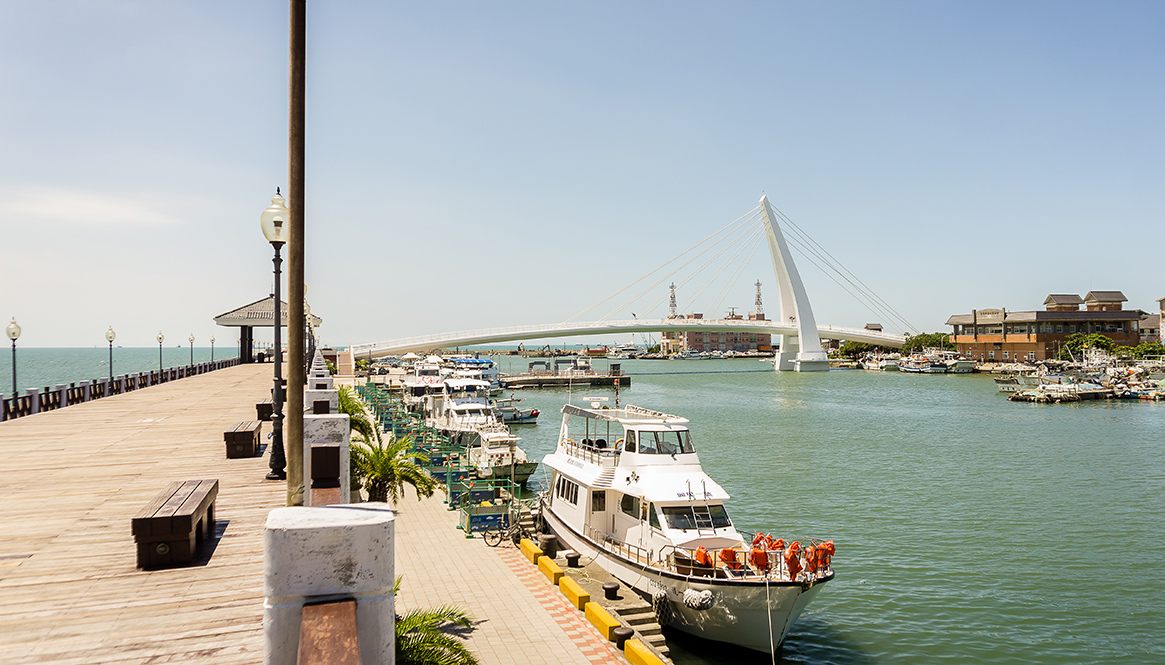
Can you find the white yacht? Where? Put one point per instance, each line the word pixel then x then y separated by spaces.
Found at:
pixel 462 411
pixel 628 490
pixel 423 380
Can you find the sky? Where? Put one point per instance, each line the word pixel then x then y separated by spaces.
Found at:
pixel 474 165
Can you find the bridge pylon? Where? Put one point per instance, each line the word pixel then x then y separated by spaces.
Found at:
pixel 801 352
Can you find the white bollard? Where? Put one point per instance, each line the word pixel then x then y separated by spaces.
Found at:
pixel 328 553
pixel 327 430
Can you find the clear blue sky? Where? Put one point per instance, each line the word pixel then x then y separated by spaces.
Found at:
pixel 484 164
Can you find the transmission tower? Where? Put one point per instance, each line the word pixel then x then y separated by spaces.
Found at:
pixel 759 309
pixel 672 302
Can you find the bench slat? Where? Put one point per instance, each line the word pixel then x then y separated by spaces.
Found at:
pixel 140 525
pixel 203 495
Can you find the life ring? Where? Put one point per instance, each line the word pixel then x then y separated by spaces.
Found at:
pixel 619 442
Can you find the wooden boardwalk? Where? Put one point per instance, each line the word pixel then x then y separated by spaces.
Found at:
pixel 70 480
pixel 70 592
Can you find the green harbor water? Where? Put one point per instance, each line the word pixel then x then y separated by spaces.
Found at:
pixel 969 529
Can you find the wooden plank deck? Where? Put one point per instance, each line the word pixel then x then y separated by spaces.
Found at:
pixel 71 480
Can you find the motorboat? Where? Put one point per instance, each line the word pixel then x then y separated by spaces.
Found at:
pixel 920 364
pixel 509 411
pixel 628 490
pixel 884 362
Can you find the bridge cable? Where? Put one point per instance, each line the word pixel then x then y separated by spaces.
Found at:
pixel 739 269
pixel 684 281
pixel 665 263
pixel 749 242
pixel 658 301
pixel 838 267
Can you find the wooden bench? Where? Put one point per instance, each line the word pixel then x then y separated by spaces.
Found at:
pixel 172 526
pixel 264 409
pixel 243 440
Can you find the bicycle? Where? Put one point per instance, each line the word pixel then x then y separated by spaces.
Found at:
pixel 515 532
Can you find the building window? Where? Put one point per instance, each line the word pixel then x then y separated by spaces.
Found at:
pixel 273 306
pixel 1031 355
pixel 1059 328
pixel 990 354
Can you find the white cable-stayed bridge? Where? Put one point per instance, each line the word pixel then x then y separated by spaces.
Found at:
pixel 800 346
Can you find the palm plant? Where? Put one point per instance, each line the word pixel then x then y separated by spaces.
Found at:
pixel 421 639
pixel 360 420
pixel 385 468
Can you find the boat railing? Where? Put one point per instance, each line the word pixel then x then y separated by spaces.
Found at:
pixel 587 450
pixel 747 563
pixel 634 552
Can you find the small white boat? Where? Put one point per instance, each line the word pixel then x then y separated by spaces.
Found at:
pixel 509 411
pixel 628 491
pixel 463 412
pixel 920 364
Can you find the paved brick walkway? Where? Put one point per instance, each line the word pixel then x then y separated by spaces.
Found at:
pixel 521 617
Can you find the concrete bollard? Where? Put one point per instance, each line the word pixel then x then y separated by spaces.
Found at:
pixel 310 397
pixel 328 553
pixel 321 431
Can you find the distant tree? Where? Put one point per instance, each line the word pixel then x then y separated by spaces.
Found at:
pixel 1149 350
pixel 922 341
pixel 1076 343
pixel 855 349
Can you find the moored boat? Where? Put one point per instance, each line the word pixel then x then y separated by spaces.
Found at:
pixel 628 490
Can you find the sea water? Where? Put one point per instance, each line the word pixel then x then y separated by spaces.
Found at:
pixel 43 367
pixel 969 529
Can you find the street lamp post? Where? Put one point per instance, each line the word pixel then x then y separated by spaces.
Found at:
pixel 275 228
pixel 191 338
pixel 160 339
pixel 13 331
pixel 109 336
pixel 212 348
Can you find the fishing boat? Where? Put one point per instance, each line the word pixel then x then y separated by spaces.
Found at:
pixel 920 364
pixel 509 411
pixel 422 382
pixel 628 490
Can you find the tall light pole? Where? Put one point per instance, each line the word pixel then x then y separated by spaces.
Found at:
pixel 110 336
pixel 13 331
pixel 191 338
pixel 212 348
pixel 296 177
pixel 161 338
pixel 273 221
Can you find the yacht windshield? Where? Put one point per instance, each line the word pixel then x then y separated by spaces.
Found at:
pixel 691 517
pixel 666 443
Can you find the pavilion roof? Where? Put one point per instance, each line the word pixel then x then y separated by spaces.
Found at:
pixel 259 314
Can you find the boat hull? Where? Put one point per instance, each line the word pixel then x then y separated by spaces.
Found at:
pixel 755 615
pixel 522 471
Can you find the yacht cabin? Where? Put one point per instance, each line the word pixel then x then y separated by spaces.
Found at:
pixel 631 476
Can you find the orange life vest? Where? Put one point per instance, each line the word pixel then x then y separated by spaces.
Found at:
pixel 811 558
pixel 759 559
pixel 728 556
pixel 702 558
pixel 793 559
pixel 758 539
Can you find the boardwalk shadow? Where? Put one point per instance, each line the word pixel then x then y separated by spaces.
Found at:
pixel 207 550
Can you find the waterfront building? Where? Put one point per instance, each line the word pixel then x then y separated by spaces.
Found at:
pixel 707 342
pixel 1012 336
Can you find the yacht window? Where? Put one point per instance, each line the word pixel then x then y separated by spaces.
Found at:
pixel 652 516
pixel 630 505
pixel 666 443
pixel 719 517
pixel 628 445
pixel 567 490
pixel 684 517
pixel 598 501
